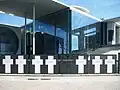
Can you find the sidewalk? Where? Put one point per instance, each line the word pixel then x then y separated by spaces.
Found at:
pixel 60 83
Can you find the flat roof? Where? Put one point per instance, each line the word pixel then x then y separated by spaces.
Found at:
pixel 116 19
pixel 20 7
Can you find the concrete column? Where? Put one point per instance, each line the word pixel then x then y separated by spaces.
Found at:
pixel 114 35
pixel 81 40
pixel 25 34
pixel 34 11
pixel 118 36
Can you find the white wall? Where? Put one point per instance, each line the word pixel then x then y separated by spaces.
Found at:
pixel 118 36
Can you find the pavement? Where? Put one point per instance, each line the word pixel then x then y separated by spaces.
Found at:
pixel 31 82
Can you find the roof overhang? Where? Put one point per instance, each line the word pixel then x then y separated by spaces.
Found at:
pixel 72 8
pixel 117 19
pixel 20 7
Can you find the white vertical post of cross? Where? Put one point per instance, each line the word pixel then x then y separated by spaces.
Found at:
pixel 97 62
pixel 50 62
pixel 8 62
pixel 109 62
pixel 37 62
pixel 21 62
pixel 80 62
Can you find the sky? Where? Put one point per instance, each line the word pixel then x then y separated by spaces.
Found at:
pixel 13 20
pixel 98 8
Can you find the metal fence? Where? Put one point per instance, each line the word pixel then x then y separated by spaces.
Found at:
pixel 59 64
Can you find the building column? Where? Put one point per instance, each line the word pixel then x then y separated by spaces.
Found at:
pixel 81 40
pixel 34 11
pixel 70 31
pixel 25 34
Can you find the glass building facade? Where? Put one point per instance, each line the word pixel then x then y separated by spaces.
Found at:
pixel 83 32
pixel 54 31
pixel 60 32
pixel 9 41
pixel 68 31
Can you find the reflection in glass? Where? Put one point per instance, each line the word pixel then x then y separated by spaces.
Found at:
pixel 83 32
pixel 8 41
pixel 57 27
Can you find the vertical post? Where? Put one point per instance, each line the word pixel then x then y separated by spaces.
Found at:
pixel 103 32
pixel 67 40
pixel 67 32
pixel 25 34
pixel 87 47
pixel 118 63
pixel 70 30
pixel 79 41
pixel 34 29
pixel 55 37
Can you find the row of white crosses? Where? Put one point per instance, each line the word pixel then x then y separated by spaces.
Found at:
pixel 38 62
pixel 21 62
pixel 81 62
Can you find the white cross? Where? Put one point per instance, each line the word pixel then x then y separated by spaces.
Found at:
pixel 20 62
pixel 88 58
pixel 97 62
pixel 109 62
pixel 8 62
pixel 50 62
pixel 80 62
pixel 37 62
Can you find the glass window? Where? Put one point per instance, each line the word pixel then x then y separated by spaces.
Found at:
pixel 110 35
pixel 83 32
pixel 56 26
pixel 8 41
pixel 80 20
pixel 74 42
pixel 63 28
